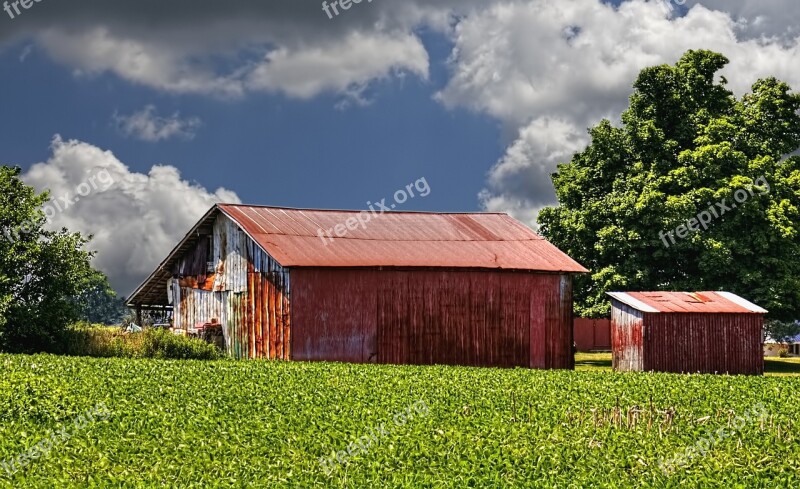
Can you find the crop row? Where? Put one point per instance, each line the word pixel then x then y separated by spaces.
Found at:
pixel 260 424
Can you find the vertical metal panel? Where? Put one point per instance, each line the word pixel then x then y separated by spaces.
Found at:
pixel 537 335
pixel 626 337
pixel 266 306
pixel 558 324
pixel 705 343
pixel 230 256
pixel 583 330
pixel 429 317
pixel 592 334
pixel 249 296
pixel 337 319
pixel 194 307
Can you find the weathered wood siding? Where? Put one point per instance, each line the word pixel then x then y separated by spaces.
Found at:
pixel 247 292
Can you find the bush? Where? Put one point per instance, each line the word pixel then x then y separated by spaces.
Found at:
pixel 103 341
pixel 160 343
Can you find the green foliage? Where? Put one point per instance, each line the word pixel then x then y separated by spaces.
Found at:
pixel 782 331
pixel 41 272
pixel 160 343
pixel 686 143
pixel 102 341
pixel 101 304
pixel 95 340
pixel 262 424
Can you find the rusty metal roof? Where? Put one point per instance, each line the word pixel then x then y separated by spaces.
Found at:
pixel 299 238
pixel 393 239
pixel 687 302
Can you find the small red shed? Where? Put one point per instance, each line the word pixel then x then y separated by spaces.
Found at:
pixel 686 332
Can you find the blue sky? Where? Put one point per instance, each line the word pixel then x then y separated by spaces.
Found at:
pixel 268 148
pixel 188 103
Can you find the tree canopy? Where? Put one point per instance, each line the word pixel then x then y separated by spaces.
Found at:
pixel 697 190
pixel 43 274
pixel 101 304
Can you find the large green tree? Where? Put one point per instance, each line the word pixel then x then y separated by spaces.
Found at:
pixel 43 274
pixel 653 204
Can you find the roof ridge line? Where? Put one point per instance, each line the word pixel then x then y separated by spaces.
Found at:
pixel 262 206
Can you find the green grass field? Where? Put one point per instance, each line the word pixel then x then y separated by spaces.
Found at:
pixel 157 423
pixel 601 362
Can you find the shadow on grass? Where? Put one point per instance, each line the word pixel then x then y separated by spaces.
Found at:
pixel 782 366
pixel 593 361
pixel 602 362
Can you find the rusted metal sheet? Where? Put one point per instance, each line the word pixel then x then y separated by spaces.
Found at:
pixel 559 337
pixel 299 238
pixel 230 256
pixel 449 317
pixel 627 326
pixel 193 307
pixel 265 308
pixel 687 342
pixel 592 334
pixel 250 296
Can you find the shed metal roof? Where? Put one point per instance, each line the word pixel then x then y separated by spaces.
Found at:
pixel 687 302
pixel 299 238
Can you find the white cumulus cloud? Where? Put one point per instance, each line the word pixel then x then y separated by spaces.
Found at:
pixel 146 125
pixel 136 218
pixel 343 67
pixel 549 70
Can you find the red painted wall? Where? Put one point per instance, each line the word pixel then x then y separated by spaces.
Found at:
pixel 477 318
pixel 592 334
pixel 706 343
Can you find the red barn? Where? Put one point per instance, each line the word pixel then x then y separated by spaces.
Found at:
pixel 398 287
pixel 706 332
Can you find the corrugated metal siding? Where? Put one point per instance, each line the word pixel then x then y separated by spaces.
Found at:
pixel 433 317
pixel 230 256
pixel 626 337
pixel 559 334
pixel 334 316
pixel 250 297
pixel 706 343
pixel 592 334
pixel 193 307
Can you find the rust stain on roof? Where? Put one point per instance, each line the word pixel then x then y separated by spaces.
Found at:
pixel 297 238
pixel 687 302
